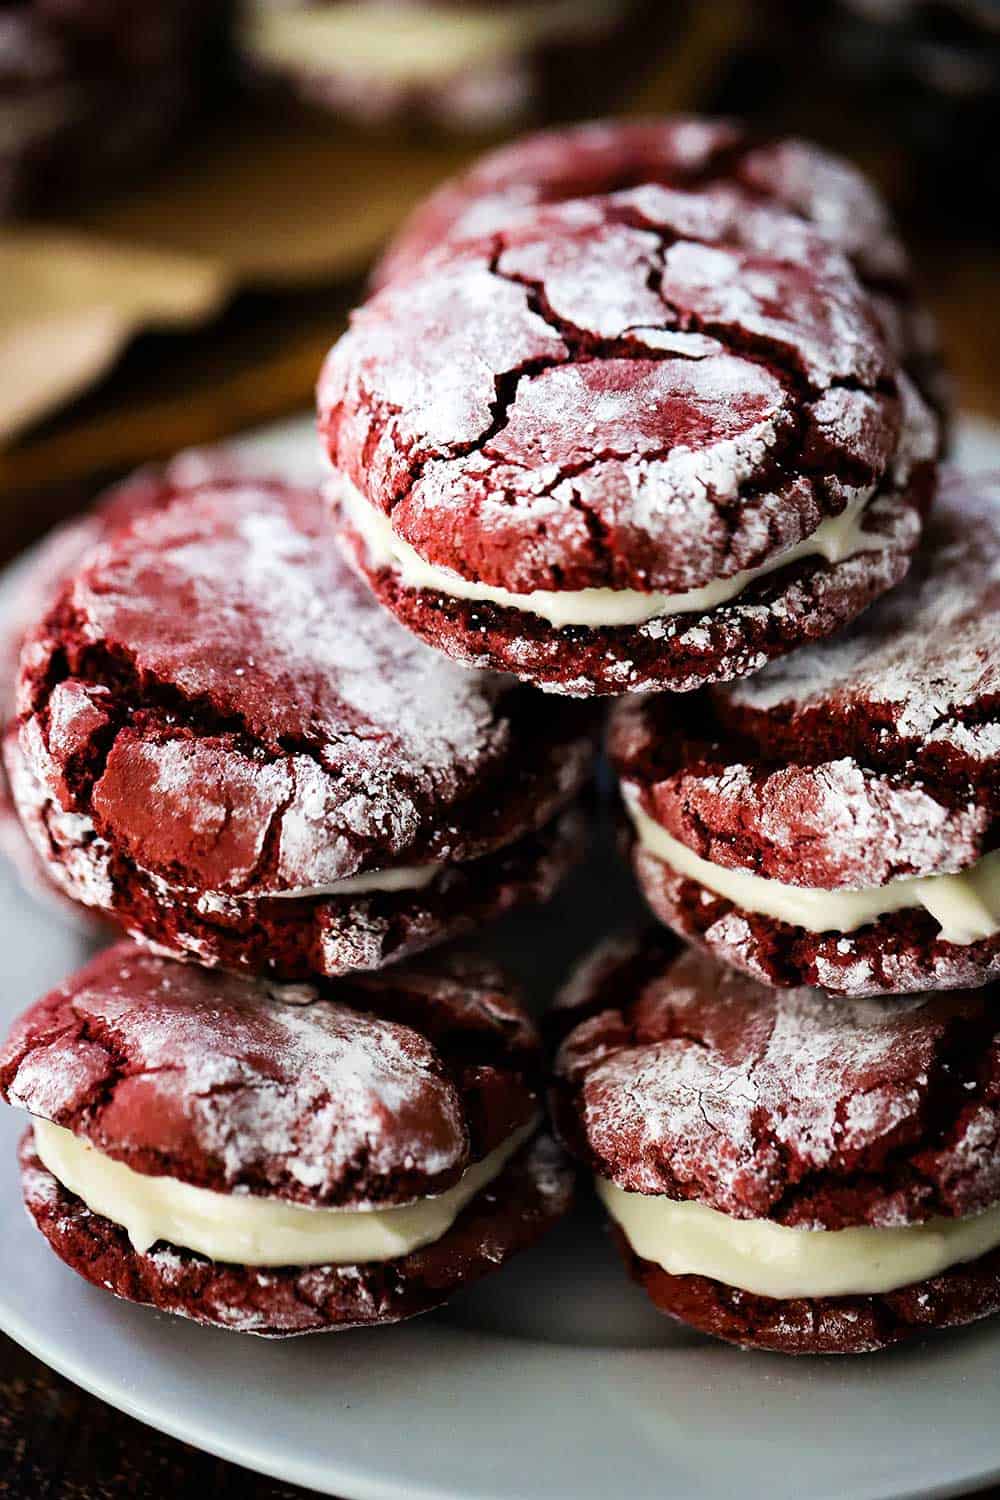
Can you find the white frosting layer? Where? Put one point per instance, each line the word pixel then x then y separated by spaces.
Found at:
pixel 771 1260
pixel 405 878
pixel 835 538
pixel 966 905
pixel 412 44
pixel 252 1231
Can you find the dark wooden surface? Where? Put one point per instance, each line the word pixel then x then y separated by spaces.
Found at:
pixel 58 1443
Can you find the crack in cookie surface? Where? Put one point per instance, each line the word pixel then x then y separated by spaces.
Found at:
pixel 693 155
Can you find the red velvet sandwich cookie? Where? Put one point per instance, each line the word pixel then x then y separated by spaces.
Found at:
pixel 785 1169
pixel 836 820
pixel 226 745
pixel 644 441
pixel 684 152
pixel 282 1159
pixel 446 63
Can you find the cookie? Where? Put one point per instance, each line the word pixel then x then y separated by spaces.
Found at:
pixel 835 820
pixel 132 34
pixel 685 152
pixel 227 746
pixel 787 1169
pixel 283 1159
pixel 891 67
pixel 49 564
pixel 651 440
pixel 452 65
pixel 92 94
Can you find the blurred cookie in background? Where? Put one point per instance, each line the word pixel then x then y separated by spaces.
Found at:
pixel 450 65
pixel 921 78
pixel 91 93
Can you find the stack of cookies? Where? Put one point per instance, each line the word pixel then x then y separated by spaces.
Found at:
pixel 645 411
pixel 225 746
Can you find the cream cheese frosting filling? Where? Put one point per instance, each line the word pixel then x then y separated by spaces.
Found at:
pixel 771 1260
pixel 403 878
pixel 966 905
pixel 398 878
pixel 254 1231
pixel 412 44
pixel 835 539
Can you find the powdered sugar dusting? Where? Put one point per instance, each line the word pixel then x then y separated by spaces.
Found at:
pixel 835 197
pixel 828 192
pixel 36 785
pixel 312 638
pixel 833 826
pixel 505 185
pixel 778 301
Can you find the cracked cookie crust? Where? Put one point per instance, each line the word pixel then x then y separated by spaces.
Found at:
pixel 650 440
pixel 58 555
pixel 377 1093
pixel 855 784
pixel 847 1130
pixel 826 191
pixel 224 743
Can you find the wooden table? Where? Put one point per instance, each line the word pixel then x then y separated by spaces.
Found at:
pixel 57 1443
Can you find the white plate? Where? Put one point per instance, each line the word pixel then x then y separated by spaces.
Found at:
pixel 553 1379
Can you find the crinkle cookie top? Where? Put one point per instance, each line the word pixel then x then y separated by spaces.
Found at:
pixel 61 550
pixel 679 152
pixel 651 390
pixel 218 693
pixel 697 1082
pixel 346 1093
